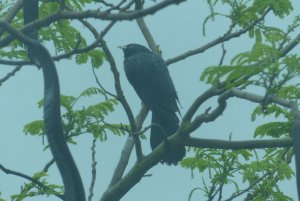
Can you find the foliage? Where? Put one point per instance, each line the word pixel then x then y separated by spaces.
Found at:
pixel 32 189
pixel 87 119
pixel 1 198
pixel 222 170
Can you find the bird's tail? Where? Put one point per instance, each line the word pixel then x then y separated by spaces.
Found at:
pixel 163 127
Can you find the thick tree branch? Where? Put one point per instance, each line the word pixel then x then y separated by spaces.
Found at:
pixel 234 92
pixel 296 143
pixel 125 154
pixel 237 145
pixel 12 12
pixel 74 190
pixel 117 191
pixel 258 99
pixel 211 92
pixel 208 117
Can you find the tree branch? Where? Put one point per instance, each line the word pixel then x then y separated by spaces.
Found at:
pixel 33 180
pixel 71 15
pixel 117 191
pixel 258 99
pixel 237 145
pixel 94 163
pixel 125 154
pixel 296 143
pixel 211 92
pixel 121 96
pixel 72 181
pixel 208 117
pixel 12 12
pixel 226 37
pixel 10 74
pixel 66 55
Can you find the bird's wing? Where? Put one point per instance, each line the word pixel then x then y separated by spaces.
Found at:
pixel 151 80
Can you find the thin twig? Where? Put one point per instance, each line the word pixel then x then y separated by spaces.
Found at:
pixel 94 164
pixel 100 85
pixel 10 74
pixel 223 55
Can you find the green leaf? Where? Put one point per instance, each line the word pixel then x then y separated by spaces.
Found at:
pixel 97 58
pixel 274 129
pixel 92 91
pixel 81 58
pixel 34 128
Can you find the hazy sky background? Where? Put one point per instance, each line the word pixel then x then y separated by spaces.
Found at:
pixel 176 29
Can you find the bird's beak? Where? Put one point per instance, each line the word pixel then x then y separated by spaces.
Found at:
pixel 122 47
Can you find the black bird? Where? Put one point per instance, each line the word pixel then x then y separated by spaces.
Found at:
pixel 148 74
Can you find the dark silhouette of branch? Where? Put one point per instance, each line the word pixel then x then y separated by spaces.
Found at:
pixel 260 179
pixel 71 15
pixel 12 12
pixel 125 154
pixel 117 191
pixel 217 90
pixel 121 96
pixel 94 163
pixel 237 145
pixel 296 143
pixel 74 190
pixel 208 117
pixel 226 37
pixel 33 180
pixel 211 92
pixel 45 169
pixel 48 165
pixel 119 171
pixel 66 55
pixel 10 74
pixel 224 51
pixel 258 99
pixel 290 46
pixel 100 85
pixel 122 164
pixel 144 28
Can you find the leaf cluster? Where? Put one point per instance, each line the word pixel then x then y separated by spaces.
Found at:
pixel 30 190
pixel 64 36
pixel 78 121
pixel 259 175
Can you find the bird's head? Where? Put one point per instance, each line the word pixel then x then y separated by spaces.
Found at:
pixel 132 49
